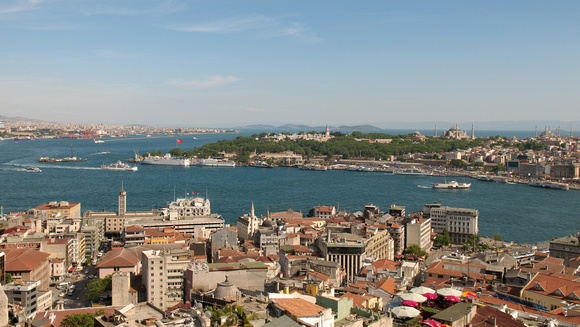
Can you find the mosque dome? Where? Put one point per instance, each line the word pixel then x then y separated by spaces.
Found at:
pixel 267 223
pixel 226 291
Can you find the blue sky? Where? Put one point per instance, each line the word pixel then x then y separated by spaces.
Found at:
pixel 232 63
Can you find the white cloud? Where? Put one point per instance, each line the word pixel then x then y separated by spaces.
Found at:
pixel 299 31
pixel 226 25
pixel 269 27
pixel 212 81
pixel 18 6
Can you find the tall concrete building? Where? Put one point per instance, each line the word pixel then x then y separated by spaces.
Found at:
pixel 163 272
pixel 350 250
pixel 461 223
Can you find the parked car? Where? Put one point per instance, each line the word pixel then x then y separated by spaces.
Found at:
pixel 62 294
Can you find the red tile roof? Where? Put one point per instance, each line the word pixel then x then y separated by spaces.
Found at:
pixel 387 284
pixel 299 307
pixel 555 287
pixel 16 230
pixel 489 316
pixel 23 259
pixel 119 258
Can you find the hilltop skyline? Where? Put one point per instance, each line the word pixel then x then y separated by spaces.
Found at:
pixel 238 63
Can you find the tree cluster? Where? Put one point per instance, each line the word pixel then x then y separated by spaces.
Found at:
pixel 341 145
pixel 98 286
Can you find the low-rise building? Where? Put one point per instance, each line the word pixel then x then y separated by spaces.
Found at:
pixel 28 264
pixel 324 211
pixel 567 247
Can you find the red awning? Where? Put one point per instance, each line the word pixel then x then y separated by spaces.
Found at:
pixel 71 269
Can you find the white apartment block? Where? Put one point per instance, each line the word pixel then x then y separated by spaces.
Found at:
pixel 163 272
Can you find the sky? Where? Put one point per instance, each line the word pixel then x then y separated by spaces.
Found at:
pixel 234 63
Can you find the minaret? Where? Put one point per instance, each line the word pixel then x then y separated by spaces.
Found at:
pixel 536 131
pixel 252 211
pixel 122 202
pixel 435 130
pixel 327 131
pixel 472 132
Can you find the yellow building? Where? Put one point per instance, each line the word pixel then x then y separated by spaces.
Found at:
pixel 552 291
pixel 65 208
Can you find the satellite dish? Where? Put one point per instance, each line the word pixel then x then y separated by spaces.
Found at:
pixel 208 314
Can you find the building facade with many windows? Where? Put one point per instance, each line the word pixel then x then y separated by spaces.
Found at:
pixel 163 272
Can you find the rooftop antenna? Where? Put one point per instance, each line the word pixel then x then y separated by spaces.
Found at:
pixel 122 188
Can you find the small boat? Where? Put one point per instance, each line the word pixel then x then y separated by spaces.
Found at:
pixel 499 179
pixel 261 164
pixel 314 167
pixel 66 159
pixel 119 166
pixel 33 170
pixel 99 141
pixel 463 185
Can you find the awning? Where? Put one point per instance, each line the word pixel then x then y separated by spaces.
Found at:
pixel 71 269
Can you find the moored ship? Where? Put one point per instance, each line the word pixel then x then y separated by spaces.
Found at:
pixel 211 162
pixel 552 185
pixel 166 160
pixel 412 172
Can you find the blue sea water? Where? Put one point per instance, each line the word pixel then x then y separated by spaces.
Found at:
pixel 519 212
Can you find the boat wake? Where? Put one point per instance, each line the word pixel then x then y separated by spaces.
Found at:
pixel 69 167
pixel 423 186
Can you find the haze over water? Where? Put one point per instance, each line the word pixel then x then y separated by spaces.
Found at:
pixel 519 212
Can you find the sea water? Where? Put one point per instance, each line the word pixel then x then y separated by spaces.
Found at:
pixel 518 212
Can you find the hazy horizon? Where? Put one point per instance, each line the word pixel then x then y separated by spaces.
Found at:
pixel 236 63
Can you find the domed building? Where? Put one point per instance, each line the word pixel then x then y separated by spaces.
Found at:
pixel 227 291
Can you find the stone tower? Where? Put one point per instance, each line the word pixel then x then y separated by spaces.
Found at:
pixel 122 203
